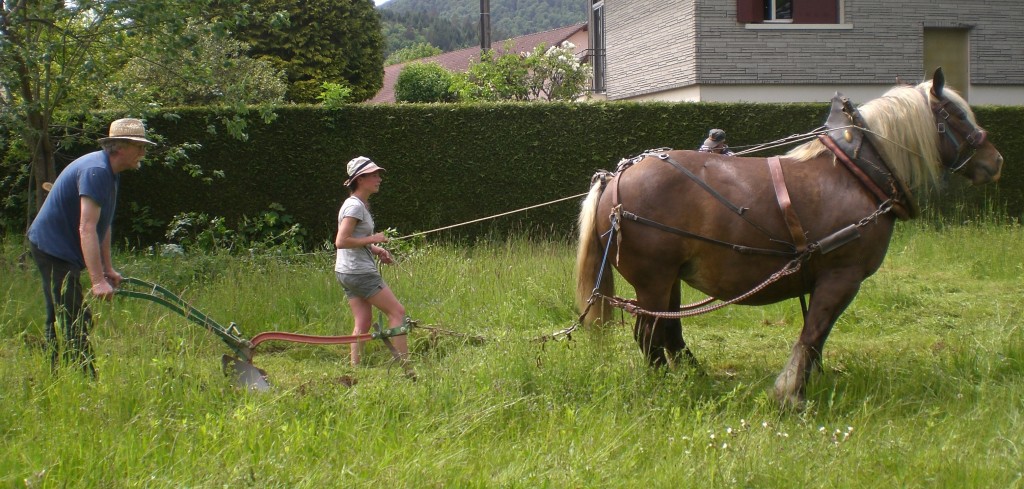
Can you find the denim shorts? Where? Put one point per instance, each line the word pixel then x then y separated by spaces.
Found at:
pixel 361 285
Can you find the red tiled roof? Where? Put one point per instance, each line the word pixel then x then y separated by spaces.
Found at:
pixel 459 61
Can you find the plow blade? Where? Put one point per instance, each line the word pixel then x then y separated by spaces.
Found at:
pixel 245 374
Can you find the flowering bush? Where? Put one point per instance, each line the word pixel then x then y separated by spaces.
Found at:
pixel 553 73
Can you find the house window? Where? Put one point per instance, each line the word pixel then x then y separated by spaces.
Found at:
pixel 795 11
pixel 778 10
pixel 597 44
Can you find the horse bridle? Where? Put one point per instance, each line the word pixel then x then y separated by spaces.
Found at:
pixel 971 137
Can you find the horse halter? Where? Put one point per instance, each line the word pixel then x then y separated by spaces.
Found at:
pixel 971 137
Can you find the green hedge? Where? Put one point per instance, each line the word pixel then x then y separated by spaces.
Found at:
pixel 449 164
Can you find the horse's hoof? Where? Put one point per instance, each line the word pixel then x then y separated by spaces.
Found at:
pixel 790 402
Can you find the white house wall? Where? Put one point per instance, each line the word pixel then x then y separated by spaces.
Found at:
pixel 653 52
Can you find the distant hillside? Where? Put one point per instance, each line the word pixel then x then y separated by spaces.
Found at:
pixel 454 24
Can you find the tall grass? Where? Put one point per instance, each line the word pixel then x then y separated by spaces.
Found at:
pixel 922 384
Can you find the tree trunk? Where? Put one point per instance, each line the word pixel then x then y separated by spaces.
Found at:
pixel 44 168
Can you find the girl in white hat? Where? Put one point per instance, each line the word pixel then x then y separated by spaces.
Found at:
pixel 357 246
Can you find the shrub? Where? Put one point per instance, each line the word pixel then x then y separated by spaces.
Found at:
pixel 425 82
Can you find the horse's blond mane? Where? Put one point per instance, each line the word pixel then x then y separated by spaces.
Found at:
pixel 903 129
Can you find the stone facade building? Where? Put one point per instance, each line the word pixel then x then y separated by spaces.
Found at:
pixel 804 50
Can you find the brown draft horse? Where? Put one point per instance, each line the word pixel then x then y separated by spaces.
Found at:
pixel 723 225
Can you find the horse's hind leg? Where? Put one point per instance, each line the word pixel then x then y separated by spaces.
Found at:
pixel 661 339
pixel 829 299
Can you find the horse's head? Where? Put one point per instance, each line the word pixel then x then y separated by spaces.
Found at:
pixel 964 147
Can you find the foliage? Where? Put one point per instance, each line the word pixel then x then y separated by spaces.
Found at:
pixel 200 232
pixel 407 29
pixel 334 95
pixel 416 51
pixel 497 76
pixel 425 82
pixel 920 386
pixel 60 61
pixel 556 73
pixel 56 57
pixel 545 74
pixel 312 42
pixel 272 230
pixel 455 24
pixel 213 71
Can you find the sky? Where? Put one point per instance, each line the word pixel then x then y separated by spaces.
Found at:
pixel 378 2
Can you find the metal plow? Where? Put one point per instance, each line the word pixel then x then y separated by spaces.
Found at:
pixel 239 366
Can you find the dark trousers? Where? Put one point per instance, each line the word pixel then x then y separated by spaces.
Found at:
pixel 65 305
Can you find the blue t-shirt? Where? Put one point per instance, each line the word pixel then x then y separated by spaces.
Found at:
pixel 55 228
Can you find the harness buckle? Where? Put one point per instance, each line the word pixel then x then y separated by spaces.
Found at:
pixel 976 138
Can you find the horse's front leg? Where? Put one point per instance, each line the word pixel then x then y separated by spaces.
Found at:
pixel 832 294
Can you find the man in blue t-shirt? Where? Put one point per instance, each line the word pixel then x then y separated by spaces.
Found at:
pixel 72 233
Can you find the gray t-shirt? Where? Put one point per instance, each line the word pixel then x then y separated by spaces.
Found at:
pixel 356 260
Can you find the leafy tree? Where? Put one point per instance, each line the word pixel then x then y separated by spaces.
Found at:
pixel 405 29
pixel 317 41
pixel 425 82
pixel 55 56
pixel 454 24
pixel 214 71
pixel 416 51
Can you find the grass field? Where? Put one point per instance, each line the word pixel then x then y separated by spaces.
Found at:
pixel 923 382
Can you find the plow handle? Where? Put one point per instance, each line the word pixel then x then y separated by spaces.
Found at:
pixel 168 299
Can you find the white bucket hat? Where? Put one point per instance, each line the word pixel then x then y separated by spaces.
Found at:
pixel 360 165
pixel 127 129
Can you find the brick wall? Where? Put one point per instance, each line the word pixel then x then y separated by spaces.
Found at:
pixel 651 45
pixel 656 45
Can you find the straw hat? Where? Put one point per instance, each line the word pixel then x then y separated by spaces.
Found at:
pixel 360 165
pixel 127 129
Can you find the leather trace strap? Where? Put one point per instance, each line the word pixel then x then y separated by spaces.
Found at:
pixel 788 213
pixel 707 188
pixel 747 250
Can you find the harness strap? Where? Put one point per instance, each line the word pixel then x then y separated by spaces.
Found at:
pixel 857 172
pixel 782 195
pixel 735 247
pixel 704 185
pixel 739 211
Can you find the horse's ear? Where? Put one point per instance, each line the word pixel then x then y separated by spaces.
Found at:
pixel 938 82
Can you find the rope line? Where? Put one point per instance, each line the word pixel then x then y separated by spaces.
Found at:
pixel 490 217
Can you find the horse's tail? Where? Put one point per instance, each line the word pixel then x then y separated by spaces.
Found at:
pixel 589 256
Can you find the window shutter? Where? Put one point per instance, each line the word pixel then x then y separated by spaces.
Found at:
pixel 749 10
pixel 815 11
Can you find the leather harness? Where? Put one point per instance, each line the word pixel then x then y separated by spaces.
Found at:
pixel 847 140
